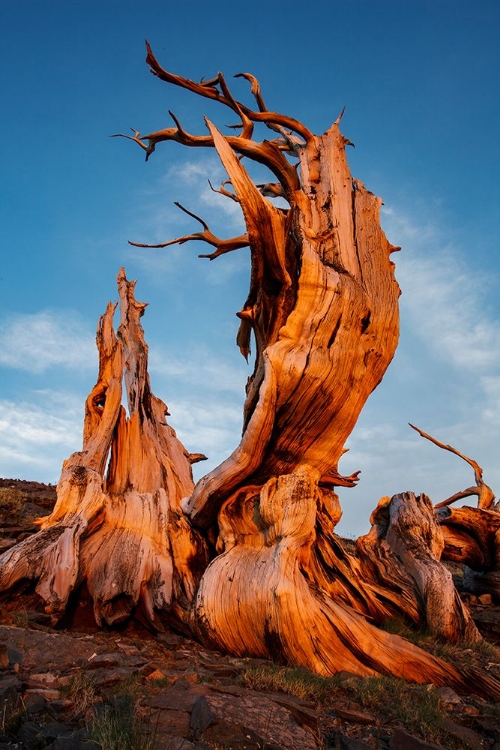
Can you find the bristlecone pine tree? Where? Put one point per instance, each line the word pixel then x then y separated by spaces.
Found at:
pixel 247 560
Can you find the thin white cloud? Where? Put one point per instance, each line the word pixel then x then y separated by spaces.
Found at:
pixel 191 180
pixel 444 297
pixel 491 411
pixel 38 341
pixel 198 368
pixel 37 435
pixel 445 378
pixel 212 429
pixel 445 301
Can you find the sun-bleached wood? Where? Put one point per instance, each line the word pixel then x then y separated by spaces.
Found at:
pixel 248 559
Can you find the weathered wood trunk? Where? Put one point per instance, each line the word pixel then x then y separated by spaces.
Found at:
pixel 322 285
pixel 274 580
pixel 117 525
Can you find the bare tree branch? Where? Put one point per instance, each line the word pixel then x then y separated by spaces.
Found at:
pixel 223 246
pixel 209 90
pixel 459 496
pixel 484 493
pixel 136 138
pixel 267 153
pixel 224 192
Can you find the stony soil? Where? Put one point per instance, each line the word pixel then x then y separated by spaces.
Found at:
pixel 81 688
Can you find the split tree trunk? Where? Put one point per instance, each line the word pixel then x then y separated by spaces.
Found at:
pixel 118 528
pixel 323 313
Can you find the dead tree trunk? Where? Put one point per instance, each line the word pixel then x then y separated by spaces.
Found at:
pixel 322 310
pixel 471 535
pixel 118 527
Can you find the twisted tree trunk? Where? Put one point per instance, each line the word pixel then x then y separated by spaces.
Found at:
pixel 322 309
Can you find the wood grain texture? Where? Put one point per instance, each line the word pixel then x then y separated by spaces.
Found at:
pixel 248 560
pixel 118 526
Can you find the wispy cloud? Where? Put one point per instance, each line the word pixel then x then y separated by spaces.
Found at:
pixel 37 435
pixel 444 297
pixel 38 341
pixel 205 397
pixel 188 182
pixel 446 378
pixel 212 429
pixel 445 300
pixel 197 367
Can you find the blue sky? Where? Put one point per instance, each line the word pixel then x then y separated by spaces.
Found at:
pixel 420 80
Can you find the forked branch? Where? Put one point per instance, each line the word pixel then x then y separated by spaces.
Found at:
pixel 222 246
pixel 209 90
pixel 484 493
pixel 222 191
pixel 267 153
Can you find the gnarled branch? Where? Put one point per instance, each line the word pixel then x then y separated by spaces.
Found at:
pixel 209 90
pixel 223 246
pixel 484 493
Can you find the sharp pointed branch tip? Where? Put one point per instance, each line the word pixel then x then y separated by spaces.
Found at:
pixel 194 216
pixel 337 121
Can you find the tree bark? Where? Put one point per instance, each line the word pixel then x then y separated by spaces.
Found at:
pixel 322 314
pixel 118 527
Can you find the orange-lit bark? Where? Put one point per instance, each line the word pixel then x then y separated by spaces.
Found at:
pixel 322 316
pixel 121 530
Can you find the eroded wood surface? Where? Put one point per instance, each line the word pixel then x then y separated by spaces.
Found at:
pixel 247 559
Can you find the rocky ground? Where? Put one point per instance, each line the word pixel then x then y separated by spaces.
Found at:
pixel 81 688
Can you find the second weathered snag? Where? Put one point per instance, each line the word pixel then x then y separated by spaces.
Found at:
pixel 117 526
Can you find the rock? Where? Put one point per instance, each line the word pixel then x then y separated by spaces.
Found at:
pixel 47 679
pixel 76 740
pixel 223 670
pixel 128 648
pixel 40 651
pixel 34 702
pixel 249 716
pixel 171 721
pixel 169 711
pixel 72 743
pixel 355 717
pixel 470 711
pixel 177 698
pixel 302 711
pixel 402 740
pixel 487 621
pixel 31 735
pixel 6 543
pixel 490 726
pixel 105 661
pixel 105 678
pixel 10 695
pixel 55 729
pixel 464 734
pixel 178 743
pixel 4 657
pixel 448 695
pixel 47 694
pixel 343 742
